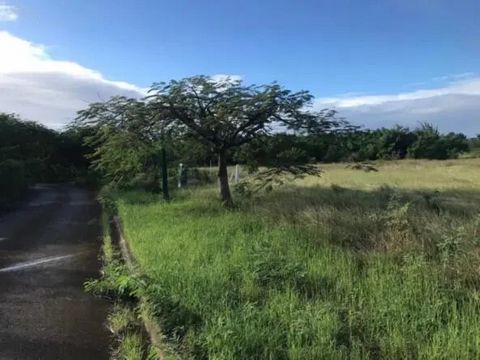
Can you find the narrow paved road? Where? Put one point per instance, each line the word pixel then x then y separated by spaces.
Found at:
pixel 48 248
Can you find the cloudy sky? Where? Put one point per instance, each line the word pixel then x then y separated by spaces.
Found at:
pixel 378 62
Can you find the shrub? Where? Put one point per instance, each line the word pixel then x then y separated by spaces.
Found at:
pixel 13 181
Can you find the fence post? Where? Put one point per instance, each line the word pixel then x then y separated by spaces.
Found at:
pixel 180 174
pixel 165 192
pixel 237 173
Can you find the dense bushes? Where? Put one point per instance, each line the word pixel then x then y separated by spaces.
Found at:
pixel 13 180
pixel 30 153
pixel 425 142
pixel 475 146
pixel 48 155
pixel 429 144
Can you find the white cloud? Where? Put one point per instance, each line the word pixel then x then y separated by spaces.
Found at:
pixel 453 77
pixel 50 91
pixel 225 78
pixel 8 12
pixel 39 88
pixel 454 107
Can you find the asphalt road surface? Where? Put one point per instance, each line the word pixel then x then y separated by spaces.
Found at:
pixel 48 247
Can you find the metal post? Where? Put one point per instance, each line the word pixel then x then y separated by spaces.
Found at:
pixel 180 174
pixel 166 195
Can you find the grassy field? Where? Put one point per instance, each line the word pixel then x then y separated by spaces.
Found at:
pixel 352 265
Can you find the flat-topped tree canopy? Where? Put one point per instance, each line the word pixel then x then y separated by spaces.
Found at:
pixel 226 114
pixel 221 114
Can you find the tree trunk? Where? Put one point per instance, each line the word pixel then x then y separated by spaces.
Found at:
pixel 166 195
pixel 225 195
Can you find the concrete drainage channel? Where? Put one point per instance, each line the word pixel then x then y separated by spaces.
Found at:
pixel 151 327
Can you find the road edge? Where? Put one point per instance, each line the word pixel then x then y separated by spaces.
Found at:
pixel 152 328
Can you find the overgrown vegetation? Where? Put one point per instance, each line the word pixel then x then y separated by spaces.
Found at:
pixel 352 265
pixel 372 260
pixel 123 288
pixel 31 153
pixel 200 121
pixel 220 115
pixel 424 142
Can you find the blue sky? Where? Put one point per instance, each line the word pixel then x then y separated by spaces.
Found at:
pixel 377 61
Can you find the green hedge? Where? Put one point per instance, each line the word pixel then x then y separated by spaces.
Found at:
pixel 14 180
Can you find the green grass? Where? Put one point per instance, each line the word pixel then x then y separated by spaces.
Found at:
pixel 353 265
pixel 121 319
pixel 129 340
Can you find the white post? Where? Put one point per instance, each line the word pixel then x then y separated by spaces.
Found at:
pixel 180 173
pixel 237 173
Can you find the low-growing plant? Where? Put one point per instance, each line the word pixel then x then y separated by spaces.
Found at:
pixel 122 319
pixel 131 348
pixel 451 244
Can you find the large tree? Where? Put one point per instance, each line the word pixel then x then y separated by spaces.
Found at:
pixel 128 138
pixel 227 114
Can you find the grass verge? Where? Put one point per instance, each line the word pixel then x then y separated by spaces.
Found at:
pixel 354 265
pixel 130 319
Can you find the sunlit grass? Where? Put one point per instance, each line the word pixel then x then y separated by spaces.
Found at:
pixel 405 174
pixel 352 265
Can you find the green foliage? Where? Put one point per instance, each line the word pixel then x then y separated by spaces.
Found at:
pixel 131 348
pixel 25 140
pixel 394 143
pixel 268 179
pixel 116 281
pixel 474 145
pixel 37 154
pixel 126 147
pixel 121 319
pixel 430 144
pixel 451 242
pixel 124 288
pixel 14 181
pixel 129 337
pixel 200 120
pixel 273 151
pixel 355 145
pixel 228 114
pixel 121 156
pixel 427 144
pixel 456 144
pixel 285 163
pixel 203 114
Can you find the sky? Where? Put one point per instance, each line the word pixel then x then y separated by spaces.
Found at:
pixel 377 62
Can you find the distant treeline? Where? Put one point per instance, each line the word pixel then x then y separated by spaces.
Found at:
pixel 31 153
pixel 424 142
